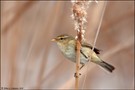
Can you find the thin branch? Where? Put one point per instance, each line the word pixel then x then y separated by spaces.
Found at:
pixel 77 64
pixel 79 17
pixel 97 33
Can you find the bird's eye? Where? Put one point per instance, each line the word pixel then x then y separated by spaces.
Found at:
pixel 61 38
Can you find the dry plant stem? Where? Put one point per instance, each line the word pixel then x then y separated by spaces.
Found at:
pixel 79 17
pixel 77 63
pixel 97 33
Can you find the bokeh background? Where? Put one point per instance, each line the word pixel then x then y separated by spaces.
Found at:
pixel 30 60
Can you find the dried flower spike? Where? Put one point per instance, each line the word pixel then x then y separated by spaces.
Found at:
pixel 79 15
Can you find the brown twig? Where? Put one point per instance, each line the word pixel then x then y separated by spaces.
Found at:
pixel 77 63
pixel 79 16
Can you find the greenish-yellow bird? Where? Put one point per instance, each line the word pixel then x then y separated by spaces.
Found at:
pixel 67 45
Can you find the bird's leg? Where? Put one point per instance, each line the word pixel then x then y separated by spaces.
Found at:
pixel 82 66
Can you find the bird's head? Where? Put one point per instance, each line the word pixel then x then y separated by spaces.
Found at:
pixel 63 39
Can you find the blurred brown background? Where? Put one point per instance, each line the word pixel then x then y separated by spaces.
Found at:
pixel 30 60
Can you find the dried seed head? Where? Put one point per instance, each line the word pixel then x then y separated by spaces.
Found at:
pixel 79 15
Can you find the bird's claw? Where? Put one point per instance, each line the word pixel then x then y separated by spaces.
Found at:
pixel 75 75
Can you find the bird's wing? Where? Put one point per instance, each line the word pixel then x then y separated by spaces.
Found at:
pixel 97 51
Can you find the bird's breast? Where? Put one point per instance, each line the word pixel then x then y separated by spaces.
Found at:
pixel 70 52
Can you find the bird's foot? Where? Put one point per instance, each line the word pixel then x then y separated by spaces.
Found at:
pixel 75 75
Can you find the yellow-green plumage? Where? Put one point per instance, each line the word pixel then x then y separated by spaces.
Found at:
pixel 67 45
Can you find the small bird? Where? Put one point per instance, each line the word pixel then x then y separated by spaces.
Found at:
pixel 67 45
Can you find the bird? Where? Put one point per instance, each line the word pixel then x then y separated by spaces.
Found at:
pixel 67 45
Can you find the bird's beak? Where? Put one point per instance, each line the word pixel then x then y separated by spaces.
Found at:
pixel 53 40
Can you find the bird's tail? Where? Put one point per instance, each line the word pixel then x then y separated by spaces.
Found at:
pixel 106 66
